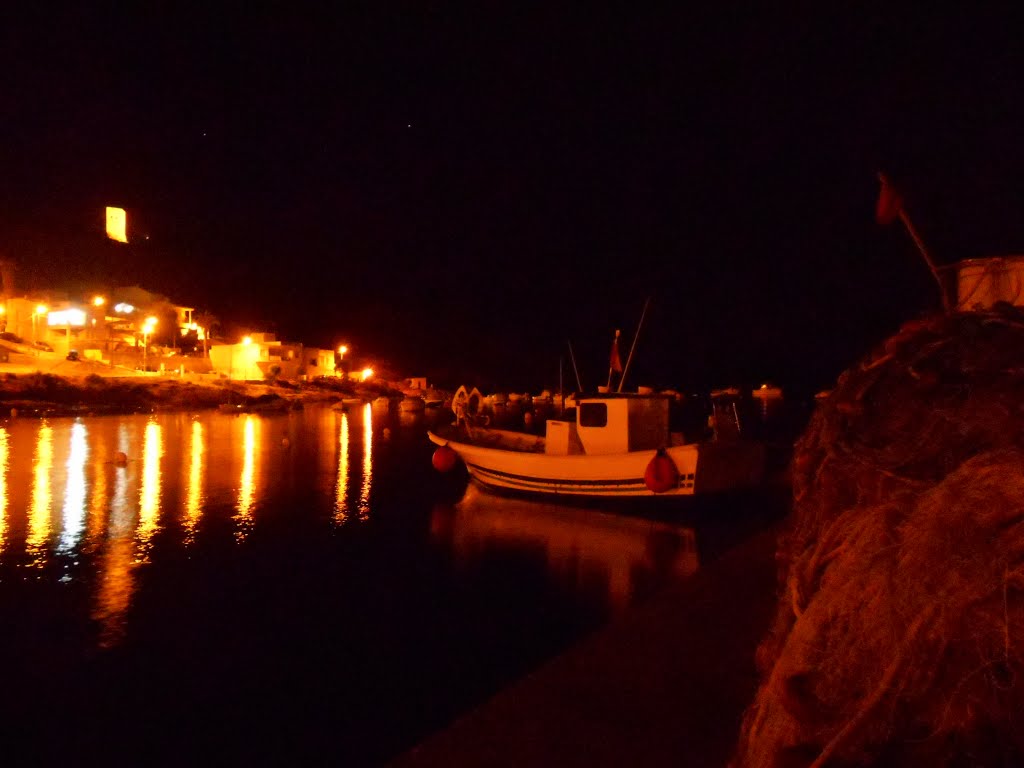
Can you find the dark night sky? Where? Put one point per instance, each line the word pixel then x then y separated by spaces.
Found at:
pixel 461 192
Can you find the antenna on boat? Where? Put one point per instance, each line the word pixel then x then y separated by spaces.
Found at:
pixel 615 364
pixel 579 386
pixel 633 346
pixel 561 389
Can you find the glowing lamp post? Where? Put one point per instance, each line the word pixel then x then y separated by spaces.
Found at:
pixel 246 341
pixel 98 302
pixel 41 310
pixel 147 329
pixel 341 359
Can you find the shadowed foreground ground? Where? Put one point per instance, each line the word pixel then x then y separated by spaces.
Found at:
pixel 667 685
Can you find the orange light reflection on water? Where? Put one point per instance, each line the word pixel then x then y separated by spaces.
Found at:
pixel 149 494
pixel 95 531
pixel 194 497
pixel 341 491
pixel 4 454
pixel 364 494
pixel 75 490
pixel 117 581
pixel 247 483
pixel 39 511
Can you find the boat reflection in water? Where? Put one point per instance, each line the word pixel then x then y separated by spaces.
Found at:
pixel 624 557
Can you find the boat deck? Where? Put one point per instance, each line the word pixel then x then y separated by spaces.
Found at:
pixel 499 439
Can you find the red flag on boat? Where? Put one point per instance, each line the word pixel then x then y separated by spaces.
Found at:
pixel 616 362
pixel 890 202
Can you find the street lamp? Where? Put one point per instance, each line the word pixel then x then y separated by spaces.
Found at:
pixel 147 329
pixel 40 311
pixel 341 358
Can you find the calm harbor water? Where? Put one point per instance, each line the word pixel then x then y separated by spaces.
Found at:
pixel 291 588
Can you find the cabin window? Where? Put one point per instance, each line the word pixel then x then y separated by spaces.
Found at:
pixel 593 414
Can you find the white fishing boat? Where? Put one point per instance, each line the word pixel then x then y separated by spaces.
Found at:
pixel 617 445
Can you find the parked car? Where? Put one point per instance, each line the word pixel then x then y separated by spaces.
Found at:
pixel 73 355
pixel 42 345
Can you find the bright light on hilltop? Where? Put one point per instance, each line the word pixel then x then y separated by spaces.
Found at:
pixel 366 373
pixel 117 224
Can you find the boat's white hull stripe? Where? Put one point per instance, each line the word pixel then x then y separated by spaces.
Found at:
pixel 616 487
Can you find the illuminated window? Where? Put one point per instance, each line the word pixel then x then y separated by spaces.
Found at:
pixel 593 415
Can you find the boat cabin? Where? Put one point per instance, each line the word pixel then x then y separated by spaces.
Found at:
pixel 612 423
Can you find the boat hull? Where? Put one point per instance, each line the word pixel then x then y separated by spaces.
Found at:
pixel 702 469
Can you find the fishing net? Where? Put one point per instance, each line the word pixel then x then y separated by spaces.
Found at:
pixel 898 637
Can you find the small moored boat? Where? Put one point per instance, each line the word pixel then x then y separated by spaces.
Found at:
pixel 617 445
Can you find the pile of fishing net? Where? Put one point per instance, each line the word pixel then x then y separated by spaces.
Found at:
pixel 900 629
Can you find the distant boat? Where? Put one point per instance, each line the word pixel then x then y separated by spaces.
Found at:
pixel 459 401
pixel 348 403
pixel 276 405
pixel 617 445
pixel 411 404
pixel 766 392
pixel 475 402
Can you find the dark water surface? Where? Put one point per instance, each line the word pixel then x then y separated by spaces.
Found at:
pixel 290 589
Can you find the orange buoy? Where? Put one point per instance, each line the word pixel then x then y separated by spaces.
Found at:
pixel 661 474
pixel 120 458
pixel 444 458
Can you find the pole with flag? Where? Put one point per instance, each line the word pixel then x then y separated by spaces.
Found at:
pixel 615 362
pixel 889 208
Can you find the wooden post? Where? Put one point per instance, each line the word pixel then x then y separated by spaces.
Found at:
pixel 926 256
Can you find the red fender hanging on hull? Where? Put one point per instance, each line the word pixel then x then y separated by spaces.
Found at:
pixel 661 474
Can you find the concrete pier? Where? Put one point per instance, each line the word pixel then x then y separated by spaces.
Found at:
pixel 665 686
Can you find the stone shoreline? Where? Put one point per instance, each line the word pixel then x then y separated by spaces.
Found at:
pixel 43 395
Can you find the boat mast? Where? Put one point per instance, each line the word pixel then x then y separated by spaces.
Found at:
pixel 561 389
pixel 633 346
pixel 579 386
